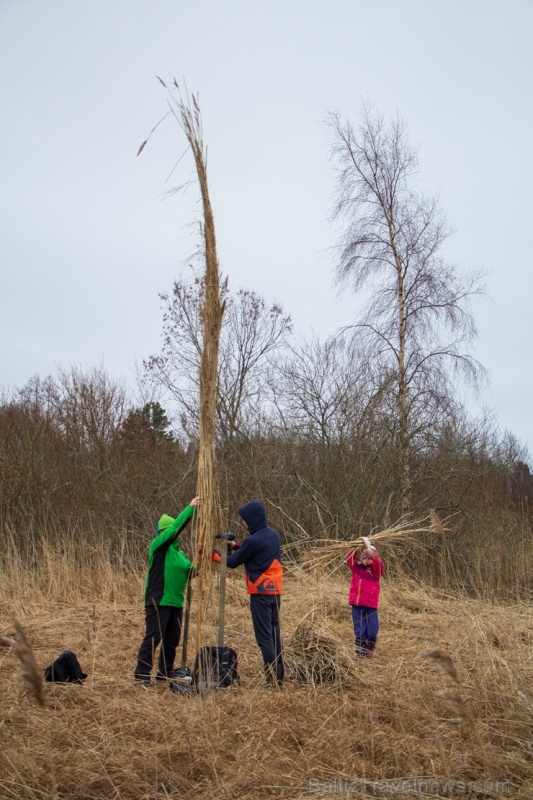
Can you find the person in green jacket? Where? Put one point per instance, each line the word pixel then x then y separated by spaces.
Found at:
pixel 164 596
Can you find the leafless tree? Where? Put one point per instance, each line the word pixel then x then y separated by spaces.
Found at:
pixel 331 411
pixel 315 387
pixel 251 332
pixel 417 320
pixel 89 408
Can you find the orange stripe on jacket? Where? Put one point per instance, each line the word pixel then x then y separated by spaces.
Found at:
pixel 269 582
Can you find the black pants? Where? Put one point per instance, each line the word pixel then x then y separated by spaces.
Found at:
pixel 265 618
pixel 163 625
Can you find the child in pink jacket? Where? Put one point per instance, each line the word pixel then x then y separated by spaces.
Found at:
pixel 364 597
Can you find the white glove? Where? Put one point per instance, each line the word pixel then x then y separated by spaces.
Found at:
pixel 368 546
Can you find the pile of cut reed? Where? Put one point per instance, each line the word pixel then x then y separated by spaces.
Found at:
pixel 313 657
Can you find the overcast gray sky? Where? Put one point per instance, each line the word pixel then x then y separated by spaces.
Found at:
pixel 88 242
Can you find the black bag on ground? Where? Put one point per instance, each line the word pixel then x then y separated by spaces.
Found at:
pixel 65 669
pixel 182 681
pixel 215 668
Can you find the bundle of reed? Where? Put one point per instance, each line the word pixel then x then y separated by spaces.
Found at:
pixel 211 519
pixel 326 553
pixel 315 658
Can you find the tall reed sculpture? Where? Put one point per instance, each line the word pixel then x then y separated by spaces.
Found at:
pixel 211 518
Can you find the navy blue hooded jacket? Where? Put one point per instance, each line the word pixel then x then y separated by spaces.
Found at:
pixel 260 552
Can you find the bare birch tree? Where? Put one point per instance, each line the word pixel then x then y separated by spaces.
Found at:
pixel 416 322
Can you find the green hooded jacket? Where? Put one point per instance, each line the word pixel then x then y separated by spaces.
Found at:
pixel 168 566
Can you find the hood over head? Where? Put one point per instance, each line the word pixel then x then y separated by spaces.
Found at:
pixel 164 522
pixel 254 515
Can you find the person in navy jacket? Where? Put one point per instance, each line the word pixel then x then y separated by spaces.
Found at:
pixel 260 553
pixel 364 597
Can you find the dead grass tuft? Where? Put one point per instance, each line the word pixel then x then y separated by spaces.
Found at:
pixel 441 661
pixel 31 676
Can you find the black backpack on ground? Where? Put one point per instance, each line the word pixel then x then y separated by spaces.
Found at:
pixel 215 668
pixel 65 669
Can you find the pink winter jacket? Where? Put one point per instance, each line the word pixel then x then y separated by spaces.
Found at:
pixel 365 586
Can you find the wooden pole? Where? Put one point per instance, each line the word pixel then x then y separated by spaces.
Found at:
pixel 186 621
pixel 222 595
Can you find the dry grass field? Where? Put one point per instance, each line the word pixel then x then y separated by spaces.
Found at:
pixel 444 709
